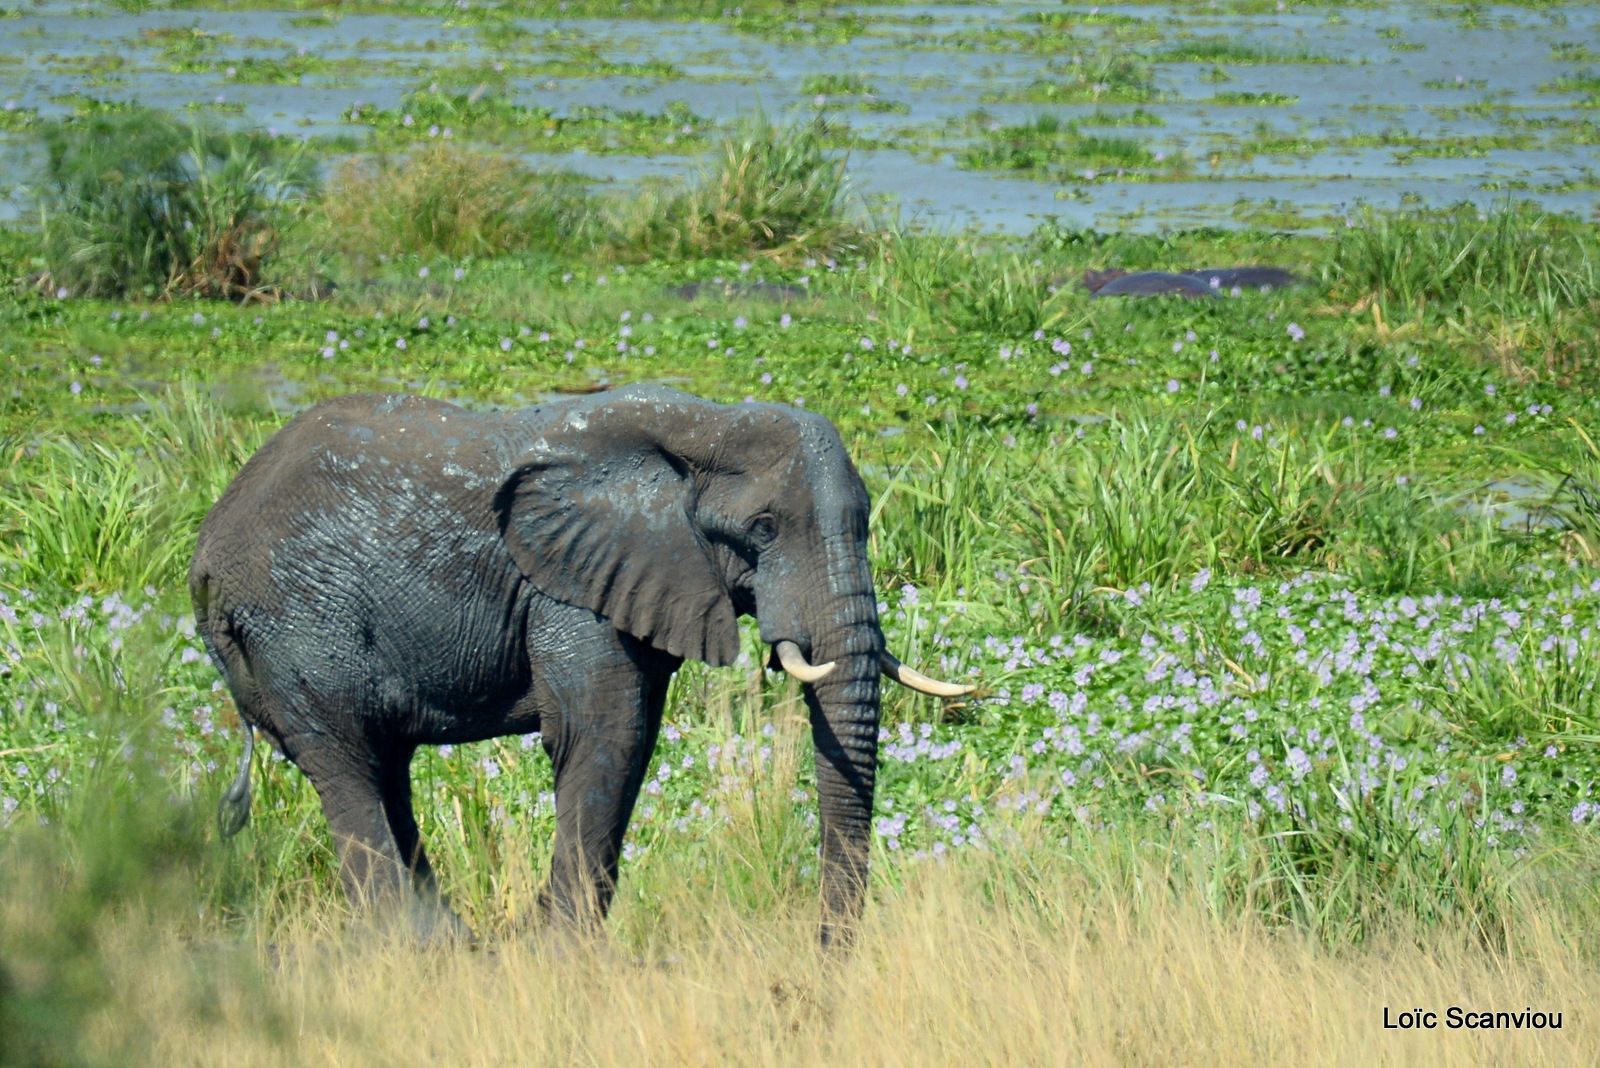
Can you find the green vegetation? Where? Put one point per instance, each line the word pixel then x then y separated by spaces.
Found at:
pixel 1136 117
pixel 436 113
pixel 1158 533
pixel 1049 145
pixel 1535 274
pixel 445 202
pixel 1231 50
pixel 1102 78
pixel 135 204
pixel 835 85
pixel 769 190
pixel 1283 605
pixel 1586 82
pixel 1254 99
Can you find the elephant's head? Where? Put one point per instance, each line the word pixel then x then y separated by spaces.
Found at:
pixel 672 516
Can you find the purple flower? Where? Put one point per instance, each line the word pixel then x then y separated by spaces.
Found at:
pixel 1296 333
pixel 505 344
pixel 961 381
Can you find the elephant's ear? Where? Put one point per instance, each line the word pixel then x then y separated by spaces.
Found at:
pixel 600 513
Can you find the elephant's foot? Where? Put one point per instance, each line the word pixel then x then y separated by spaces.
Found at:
pixel 434 925
pixel 415 922
pixel 566 944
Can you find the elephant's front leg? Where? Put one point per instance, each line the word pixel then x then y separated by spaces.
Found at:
pixel 600 741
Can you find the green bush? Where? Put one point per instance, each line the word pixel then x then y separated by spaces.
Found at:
pixel 134 204
pixel 772 190
pixel 452 202
pixel 91 516
pixel 1519 257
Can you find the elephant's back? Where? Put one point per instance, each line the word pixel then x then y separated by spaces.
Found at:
pixel 324 449
pixel 341 468
pixel 360 544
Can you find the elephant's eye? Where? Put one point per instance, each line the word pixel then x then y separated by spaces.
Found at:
pixel 763 529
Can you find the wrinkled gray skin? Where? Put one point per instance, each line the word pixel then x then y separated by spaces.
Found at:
pixel 390 571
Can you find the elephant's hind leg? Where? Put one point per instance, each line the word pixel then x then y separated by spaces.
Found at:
pixel 430 916
pixel 395 785
pixel 349 784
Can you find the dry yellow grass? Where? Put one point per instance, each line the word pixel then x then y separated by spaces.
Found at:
pixel 1077 977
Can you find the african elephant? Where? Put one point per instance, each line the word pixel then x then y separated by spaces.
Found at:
pixel 390 571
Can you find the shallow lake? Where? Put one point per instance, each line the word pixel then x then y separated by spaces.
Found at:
pixel 1290 117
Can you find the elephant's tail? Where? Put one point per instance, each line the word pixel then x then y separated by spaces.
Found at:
pixel 233 809
pixel 217 630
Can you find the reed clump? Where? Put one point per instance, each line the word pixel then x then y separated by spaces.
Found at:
pixel 455 202
pixel 771 189
pixel 135 204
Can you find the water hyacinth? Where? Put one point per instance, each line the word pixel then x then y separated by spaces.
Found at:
pixel 1296 707
pixel 1286 701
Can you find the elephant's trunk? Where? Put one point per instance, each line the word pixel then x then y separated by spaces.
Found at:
pixel 844 726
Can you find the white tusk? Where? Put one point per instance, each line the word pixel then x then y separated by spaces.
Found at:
pixel 794 662
pixel 912 679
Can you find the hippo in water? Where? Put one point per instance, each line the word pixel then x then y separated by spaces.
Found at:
pixel 1153 283
pixel 1207 282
